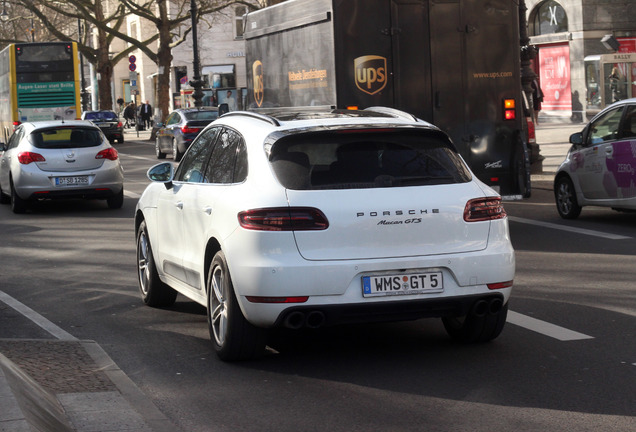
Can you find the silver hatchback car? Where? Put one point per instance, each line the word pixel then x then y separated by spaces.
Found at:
pixel 59 159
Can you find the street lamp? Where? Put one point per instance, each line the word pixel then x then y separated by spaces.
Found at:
pixel 196 82
pixel 84 98
pixel 4 16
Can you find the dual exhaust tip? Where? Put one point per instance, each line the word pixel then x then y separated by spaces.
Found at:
pixel 481 308
pixel 297 319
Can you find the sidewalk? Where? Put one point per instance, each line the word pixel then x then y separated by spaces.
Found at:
pixel 554 143
pixel 51 381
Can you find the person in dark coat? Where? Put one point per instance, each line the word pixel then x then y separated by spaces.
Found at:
pixel 146 114
pixel 129 115
pixel 537 98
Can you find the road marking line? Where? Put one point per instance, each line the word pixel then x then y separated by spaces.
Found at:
pixel 545 328
pixel 131 194
pixel 36 318
pixel 569 228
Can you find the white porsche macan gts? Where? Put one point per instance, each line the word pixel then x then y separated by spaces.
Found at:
pixel 322 217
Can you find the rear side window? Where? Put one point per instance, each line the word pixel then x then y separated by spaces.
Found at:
pixel 65 137
pixel 366 159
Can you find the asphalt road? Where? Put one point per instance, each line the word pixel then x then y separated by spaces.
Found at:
pixel 565 361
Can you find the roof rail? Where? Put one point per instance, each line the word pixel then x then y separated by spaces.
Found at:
pixel 393 112
pixel 269 119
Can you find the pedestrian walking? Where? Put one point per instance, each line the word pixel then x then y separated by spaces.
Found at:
pixel 537 99
pixel 146 114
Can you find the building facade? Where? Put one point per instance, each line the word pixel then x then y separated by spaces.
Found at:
pixel 581 43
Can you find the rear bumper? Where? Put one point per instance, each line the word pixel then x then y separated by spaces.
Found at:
pixel 32 183
pixel 326 315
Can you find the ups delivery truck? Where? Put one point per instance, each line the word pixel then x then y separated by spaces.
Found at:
pixel 454 63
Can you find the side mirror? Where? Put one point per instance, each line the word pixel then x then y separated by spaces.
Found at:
pixel 576 138
pixel 223 109
pixel 162 173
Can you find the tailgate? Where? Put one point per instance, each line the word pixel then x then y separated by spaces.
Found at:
pixel 391 222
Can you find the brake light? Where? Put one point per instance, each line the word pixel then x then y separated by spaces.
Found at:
pixel 283 219
pixel 109 153
pixel 509 109
pixel 483 209
pixel 190 130
pixel 26 158
pixel 16 124
pixel 119 124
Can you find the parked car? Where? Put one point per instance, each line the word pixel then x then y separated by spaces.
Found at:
pixel 181 128
pixel 109 122
pixel 304 219
pixel 600 167
pixel 59 159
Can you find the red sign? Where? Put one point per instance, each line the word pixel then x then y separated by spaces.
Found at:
pixel 628 45
pixel 132 67
pixel 554 76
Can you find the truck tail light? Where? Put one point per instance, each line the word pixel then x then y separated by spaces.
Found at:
pixel 484 209
pixel 283 219
pixel 509 106
pixel 26 158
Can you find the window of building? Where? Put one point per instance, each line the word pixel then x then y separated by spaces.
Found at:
pixel 239 11
pixel 219 76
pixel 550 17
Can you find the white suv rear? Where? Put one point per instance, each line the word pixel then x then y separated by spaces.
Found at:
pixel 324 217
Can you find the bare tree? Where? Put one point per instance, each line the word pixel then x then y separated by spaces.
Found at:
pixel 171 19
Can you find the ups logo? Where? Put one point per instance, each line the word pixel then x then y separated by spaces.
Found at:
pixel 370 72
pixel 257 78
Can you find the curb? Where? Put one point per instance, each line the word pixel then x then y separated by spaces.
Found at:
pixel 117 405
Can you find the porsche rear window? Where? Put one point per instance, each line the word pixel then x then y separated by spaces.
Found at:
pixel 65 137
pixel 366 159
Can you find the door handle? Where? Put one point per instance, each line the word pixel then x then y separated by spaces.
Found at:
pixel 207 210
pixel 179 205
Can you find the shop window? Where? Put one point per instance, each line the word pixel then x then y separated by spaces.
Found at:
pixel 219 76
pixel 549 17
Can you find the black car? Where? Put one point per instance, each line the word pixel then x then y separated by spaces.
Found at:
pixel 181 127
pixel 109 122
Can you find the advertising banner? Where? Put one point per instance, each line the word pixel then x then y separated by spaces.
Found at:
pixel 554 67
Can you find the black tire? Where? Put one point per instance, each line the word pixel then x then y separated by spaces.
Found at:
pixel 565 198
pixel 233 337
pixel 121 139
pixel 153 291
pixel 18 205
pixel 176 154
pixel 116 201
pixel 158 152
pixel 4 198
pixel 476 327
